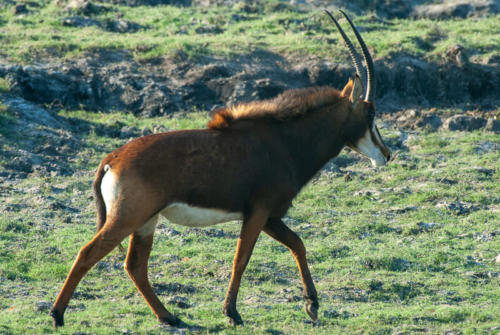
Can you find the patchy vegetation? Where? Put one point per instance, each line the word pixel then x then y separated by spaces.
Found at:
pixel 409 247
pixel 156 60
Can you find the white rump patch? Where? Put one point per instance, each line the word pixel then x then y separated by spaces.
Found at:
pixel 109 188
pixel 185 215
pixel 177 212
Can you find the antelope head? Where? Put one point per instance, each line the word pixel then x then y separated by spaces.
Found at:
pixel 361 133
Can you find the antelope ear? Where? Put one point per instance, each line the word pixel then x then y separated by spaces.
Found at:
pixel 346 91
pixel 357 90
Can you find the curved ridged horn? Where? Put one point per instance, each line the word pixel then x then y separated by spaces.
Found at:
pixel 370 73
pixel 352 52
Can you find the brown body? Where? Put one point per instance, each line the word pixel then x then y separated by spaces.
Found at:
pixel 251 162
pixel 233 167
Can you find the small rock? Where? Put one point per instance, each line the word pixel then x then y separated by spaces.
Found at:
pixel 484 147
pixel 56 206
pixel 238 18
pixel 288 295
pixel 364 235
pixel 482 275
pixel 464 122
pixel 375 285
pixel 493 125
pixel 122 26
pixel 483 170
pixel 79 21
pixel 497 259
pixel 145 131
pixel 85 324
pixel 181 302
pixel 391 264
pixel 20 9
pixel 246 8
pixel 20 164
pixel 427 226
pixel 493 59
pixel 173 288
pixel 471 261
pixel 486 236
pixel 431 122
pixel 42 306
pixel 458 207
pixel 160 129
pixel 397 210
pixel 52 250
pixel 168 231
pixel 331 314
pixel 455 54
pixel 127 132
pixel 456 8
pixel 399 264
pixel 85 7
pixel 209 29
pixel 365 193
pixel 447 181
pixel 267 89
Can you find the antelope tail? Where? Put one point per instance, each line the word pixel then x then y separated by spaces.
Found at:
pixel 99 201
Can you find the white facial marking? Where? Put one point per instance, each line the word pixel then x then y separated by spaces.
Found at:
pixel 366 147
pixel 185 215
pixel 149 227
pixel 109 189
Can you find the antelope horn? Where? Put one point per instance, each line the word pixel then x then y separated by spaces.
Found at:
pixel 370 73
pixel 352 52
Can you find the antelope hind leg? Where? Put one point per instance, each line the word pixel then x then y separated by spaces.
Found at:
pixel 136 265
pixel 281 233
pixel 102 243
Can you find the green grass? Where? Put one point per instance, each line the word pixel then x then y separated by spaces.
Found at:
pixel 376 268
pixel 387 250
pixel 6 117
pixel 167 30
pixel 5 85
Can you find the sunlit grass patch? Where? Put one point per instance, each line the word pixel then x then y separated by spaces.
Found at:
pixel 226 31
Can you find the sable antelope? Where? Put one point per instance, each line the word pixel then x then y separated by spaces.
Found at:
pixel 248 165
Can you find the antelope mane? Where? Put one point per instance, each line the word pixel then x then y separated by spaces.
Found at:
pixel 288 105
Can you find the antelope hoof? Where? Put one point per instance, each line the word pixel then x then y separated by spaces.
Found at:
pixel 57 317
pixel 234 317
pixel 312 310
pixel 173 321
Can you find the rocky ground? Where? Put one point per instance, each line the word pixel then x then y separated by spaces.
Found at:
pixel 458 93
pixel 113 80
pixel 411 247
pixel 383 8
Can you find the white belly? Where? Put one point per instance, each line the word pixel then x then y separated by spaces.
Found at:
pixel 183 214
pixel 177 212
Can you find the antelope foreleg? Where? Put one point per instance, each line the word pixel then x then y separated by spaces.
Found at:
pixel 136 266
pixel 281 233
pixel 250 231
